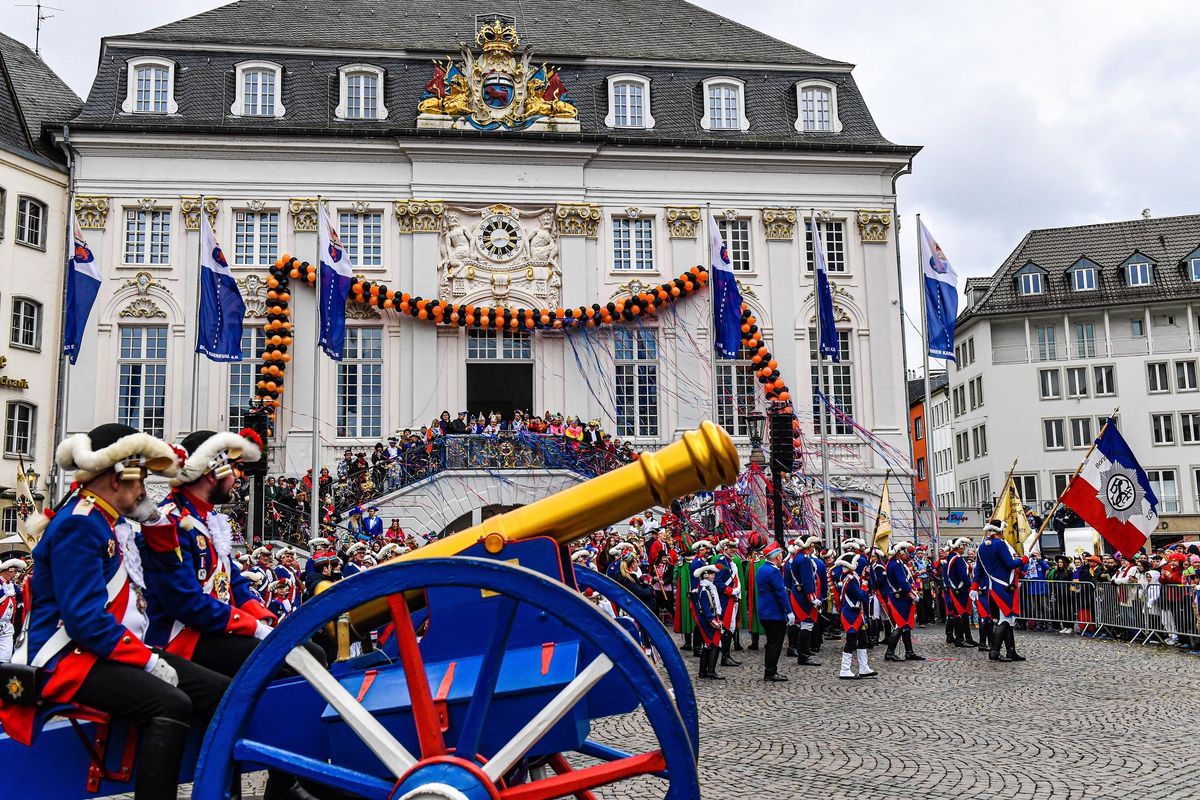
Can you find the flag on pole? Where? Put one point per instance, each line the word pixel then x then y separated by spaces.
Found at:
pixel 829 336
pixel 26 507
pixel 727 298
pixel 334 278
pixel 83 284
pixel 219 332
pixel 941 296
pixel 882 537
pixel 1011 510
pixel 1113 494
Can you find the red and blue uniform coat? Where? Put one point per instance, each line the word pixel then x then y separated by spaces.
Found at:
pixel 822 569
pixel 802 584
pixel 78 567
pixel 878 583
pixel 956 585
pixel 351 569
pixel 979 583
pixel 1003 568
pixel 898 601
pixel 852 601
pixel 290 575
pixel 707 610
pixel 694 584
pixel 191 587
pixel 728 584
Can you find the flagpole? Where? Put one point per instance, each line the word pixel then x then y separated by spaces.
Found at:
pixel 928 415
pixel 314 515
pixel 199 290
pixel 1037 537
pixel 64 372
pixel 827 516
pixel 712 312
pixel 875 533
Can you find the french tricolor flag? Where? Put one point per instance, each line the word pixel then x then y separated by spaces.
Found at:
pixel 219 333
pixel 1113 494
pixel 334 280
pixel 83 284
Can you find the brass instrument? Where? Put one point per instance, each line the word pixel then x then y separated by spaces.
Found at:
pixel 701 460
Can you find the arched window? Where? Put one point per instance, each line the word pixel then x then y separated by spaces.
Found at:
pixel 259 86
pixel 26 329
pixel 361 93
pixel 150 87
pixel 629 102
pixel 816 102
pixel 724 105
pixel 20 429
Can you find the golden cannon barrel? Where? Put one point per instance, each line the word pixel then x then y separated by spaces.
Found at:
pixel 701 460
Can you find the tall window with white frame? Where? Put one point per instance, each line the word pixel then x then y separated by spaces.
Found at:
pixel 152 89
pixel 142 369
pixel 31 222
pixel 20 429
pixel 1162 482
pixel 26 323
pixel 839 382
pixel 629 104
pixel 1085 339
pixel 258 92
pixel 255 237
pixel 816 108
pixel 147 236
pixel 362 234
pixel 735 393
pixel 362 95
pixel 833 236
pixel 635 351
pixel 847 519
pixel 360 384
pixel 723 114
pixel 633 244
pixel 8 520
pixel 243 375
pixel 736 235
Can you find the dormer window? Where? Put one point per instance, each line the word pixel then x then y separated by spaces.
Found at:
pixel 724 105
pixel 361 93
pixel 629 102
pixel 150 87
pixel 1192 262
pixel 817 105
pixel 1084 275
pixel 1031 283
pixel 258 88
pixel 1139 274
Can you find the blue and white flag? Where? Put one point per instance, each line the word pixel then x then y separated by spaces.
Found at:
pixel 941 296
pixel 219 332
pixel 727 298
pixel 828 346
pixel 83 284
pixel 334 277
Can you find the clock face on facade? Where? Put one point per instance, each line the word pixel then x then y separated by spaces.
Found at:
pixel 500 237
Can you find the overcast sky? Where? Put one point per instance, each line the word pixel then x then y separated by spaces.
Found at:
pixel 1032 114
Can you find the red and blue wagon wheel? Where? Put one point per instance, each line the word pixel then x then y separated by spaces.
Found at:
pixel 436 772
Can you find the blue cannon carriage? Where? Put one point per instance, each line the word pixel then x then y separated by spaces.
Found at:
pixel 491 671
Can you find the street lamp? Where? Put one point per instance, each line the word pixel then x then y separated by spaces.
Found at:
pixel 755 421
pixel 31 477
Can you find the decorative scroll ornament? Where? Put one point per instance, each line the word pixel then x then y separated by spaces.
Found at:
pixel 420 216
pixel 147 204
pixel 91 212
pixel 143 282
pixel 256 205
pixel 499 252
pixel 780 224
pixel 304 214
pixel 730 214
pixel 254 295
pixel 873 225
pixel 355 310
pixel 190 208
pixel 682 221
pixel 494 90
pixel 142 308
pixel 578 219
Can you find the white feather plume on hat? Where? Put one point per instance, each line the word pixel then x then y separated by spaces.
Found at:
pixel 200 461
pixel 76 453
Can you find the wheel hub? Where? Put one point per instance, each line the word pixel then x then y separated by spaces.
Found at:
pixel 445 778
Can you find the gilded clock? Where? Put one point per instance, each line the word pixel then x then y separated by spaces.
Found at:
pixel 500 237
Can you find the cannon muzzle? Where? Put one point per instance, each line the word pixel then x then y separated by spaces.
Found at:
pixel 701 460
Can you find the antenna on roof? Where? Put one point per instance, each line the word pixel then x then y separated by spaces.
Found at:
pixel 37 35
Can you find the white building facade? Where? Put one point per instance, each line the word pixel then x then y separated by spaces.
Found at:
pixel 1076 323
pixel 559 199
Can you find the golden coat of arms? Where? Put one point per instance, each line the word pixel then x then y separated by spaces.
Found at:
pixel 496 90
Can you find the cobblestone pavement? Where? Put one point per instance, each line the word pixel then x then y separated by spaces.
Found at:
pixel 1080 719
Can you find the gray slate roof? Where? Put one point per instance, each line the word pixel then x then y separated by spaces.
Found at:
pixel 916 387
pixel 658 30
pixel 33 95
pixel 1166 240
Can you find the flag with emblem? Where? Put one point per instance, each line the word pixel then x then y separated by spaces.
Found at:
pixel 1112 493
pixel 334 279
pixel 1011 510
pixel 941 296
pixel 828 343
pixel 883 520
pixel 727 298
pixel 219 330
pixel 83 284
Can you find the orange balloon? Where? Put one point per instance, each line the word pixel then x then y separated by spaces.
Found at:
pixel 422 314
pixel 272 282
pixel 784 396
pixel 389 303
pixel 779 384
pixel 674 291
pixel 287 357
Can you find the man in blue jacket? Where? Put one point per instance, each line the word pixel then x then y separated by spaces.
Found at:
pixel 773 611
pixel 1002 568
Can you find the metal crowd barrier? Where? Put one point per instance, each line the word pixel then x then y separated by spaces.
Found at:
pixel 1167 613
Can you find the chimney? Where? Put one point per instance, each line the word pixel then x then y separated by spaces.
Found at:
pixel 1145 213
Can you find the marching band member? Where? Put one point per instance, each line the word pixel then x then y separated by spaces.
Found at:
pixel 280 605
pixel 853 600
pixel 804 594
pixel 702 549
pixel 8 606
pixel 956 588
pixel 357 553
pixel 315 545
pixel 289 570
pixel 901 603
pixel 87 627
pixel 774 612
pixel 729 587
pixel 1002 567
pixel 707 611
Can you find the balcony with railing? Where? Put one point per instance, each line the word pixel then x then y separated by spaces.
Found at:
pixel 1115 347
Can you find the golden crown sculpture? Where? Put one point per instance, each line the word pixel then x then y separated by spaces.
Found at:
pixel 497 37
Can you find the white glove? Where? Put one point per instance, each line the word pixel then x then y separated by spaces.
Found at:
pixel 261 630
pixel 791 619
pixel 163 671
pixel 974 595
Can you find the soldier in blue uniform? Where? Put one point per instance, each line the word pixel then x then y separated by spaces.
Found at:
pixel 853 603
pixel 1002 567
pixel 956 590
pixel 803 586
pixel 821 570
pixel 728 584
pixel 357 554
pixel 901 603
pixel 702 549
pixel 707 611
pixel 880 626
pixel 87 630
pixel 983 605
pixel 774 611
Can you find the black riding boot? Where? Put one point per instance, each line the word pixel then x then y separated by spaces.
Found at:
pixel 712 664
pixel 892 640
pixel 909 653
pixel 793 637
pixel 802 647
pixel 726 643
pixel 814 641
pixel 999 636
pixel 702 654
pixel 952 635
pixel 737 640
pixel 753 641
pixel 687 642
pixel 1010 642
pixel 985 634
pixel 160 749
pixel 964 629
